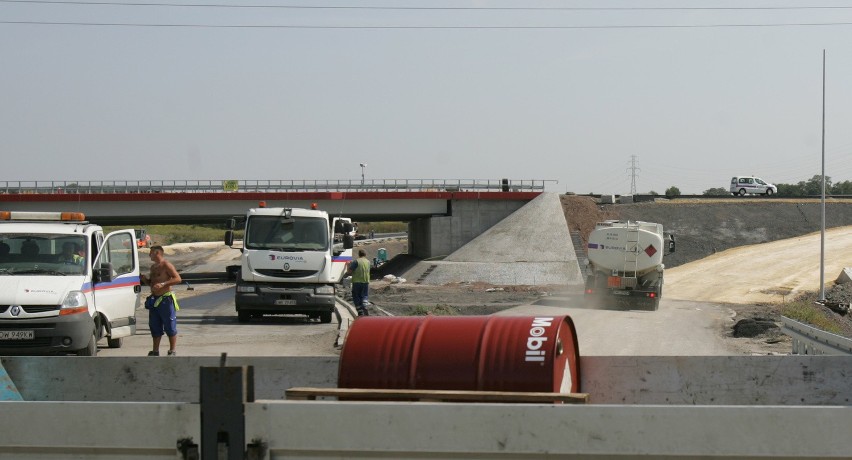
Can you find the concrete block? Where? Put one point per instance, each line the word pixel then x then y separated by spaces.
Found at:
pixel 845 276
pixel 607 199
pixel 625 199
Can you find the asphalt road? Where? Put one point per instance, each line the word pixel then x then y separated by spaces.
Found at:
pixel 207 326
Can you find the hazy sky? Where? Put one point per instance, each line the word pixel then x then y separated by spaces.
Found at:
pixel 482 90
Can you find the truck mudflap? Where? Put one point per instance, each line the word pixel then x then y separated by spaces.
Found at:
pixel 624 299
pixel 607 297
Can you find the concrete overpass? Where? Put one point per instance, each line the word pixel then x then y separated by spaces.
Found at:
pixel 442 215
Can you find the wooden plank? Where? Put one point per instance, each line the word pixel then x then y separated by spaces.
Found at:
pixel 436 395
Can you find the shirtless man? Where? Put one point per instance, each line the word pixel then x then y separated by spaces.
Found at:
pixel 161 304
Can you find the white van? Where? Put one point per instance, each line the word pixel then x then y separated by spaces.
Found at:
pixel 64 285
pixel 742 185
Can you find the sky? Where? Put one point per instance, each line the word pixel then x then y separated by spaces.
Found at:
pixel 583 96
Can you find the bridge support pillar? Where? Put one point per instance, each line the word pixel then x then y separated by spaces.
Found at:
pixel 439 236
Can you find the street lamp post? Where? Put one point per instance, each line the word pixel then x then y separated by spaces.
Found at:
pixel 363 165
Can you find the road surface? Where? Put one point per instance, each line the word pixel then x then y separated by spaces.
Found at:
pixel 692 318
pixel 207 326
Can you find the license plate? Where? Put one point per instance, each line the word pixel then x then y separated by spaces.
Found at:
pixel 285 302
pixel 620 292
pixel 17 335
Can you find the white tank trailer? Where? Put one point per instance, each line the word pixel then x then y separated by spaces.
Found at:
pixel 625 263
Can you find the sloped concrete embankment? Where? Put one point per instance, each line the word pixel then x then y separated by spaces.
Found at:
pixel 532 246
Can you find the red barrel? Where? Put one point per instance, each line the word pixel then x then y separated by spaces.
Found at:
pixel 475 353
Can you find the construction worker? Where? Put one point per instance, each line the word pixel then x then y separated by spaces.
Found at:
pixel 360 271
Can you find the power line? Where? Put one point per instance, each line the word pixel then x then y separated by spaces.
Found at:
pixel 292 26
pixel 441 8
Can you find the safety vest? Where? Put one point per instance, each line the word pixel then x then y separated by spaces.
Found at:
pixel 168 294
pixel 362 272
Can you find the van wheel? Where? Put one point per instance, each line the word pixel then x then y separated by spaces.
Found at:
pixel 243 316
pixel 91 349
pixel 769 192
pixel 115 343
pixel 325 317
pixel 742 192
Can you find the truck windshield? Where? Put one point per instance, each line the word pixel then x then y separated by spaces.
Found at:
pixel 42 254
pixel 294 234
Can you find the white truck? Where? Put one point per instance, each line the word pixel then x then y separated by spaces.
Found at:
pixel 64 285
pixel 289 262
pixel 625 263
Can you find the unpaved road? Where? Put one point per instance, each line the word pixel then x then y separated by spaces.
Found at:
pixel 767 272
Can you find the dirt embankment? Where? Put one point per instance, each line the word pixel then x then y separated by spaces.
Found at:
pixel 703 229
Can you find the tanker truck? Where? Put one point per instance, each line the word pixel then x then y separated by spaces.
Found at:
pixel 625 263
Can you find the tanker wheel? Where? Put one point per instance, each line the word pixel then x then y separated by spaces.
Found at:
pixel 243 316
pixel 655 304
pixel 742 192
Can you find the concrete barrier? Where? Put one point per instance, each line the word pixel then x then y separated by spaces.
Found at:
pixel 745 407
pixel 306 430
pixel 675 380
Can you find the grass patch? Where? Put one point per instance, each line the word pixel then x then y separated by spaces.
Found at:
pixel 804 310
pixel 382 227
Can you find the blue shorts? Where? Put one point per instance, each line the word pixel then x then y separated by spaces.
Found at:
pixel 162 319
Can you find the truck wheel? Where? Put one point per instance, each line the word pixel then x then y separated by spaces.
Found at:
pixel 91 349
pixel 325 317
pixel 655 304
pixel 243 316
pixel 742 192
pixel 115 343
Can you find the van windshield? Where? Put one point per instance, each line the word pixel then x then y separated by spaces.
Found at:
pixel 42 254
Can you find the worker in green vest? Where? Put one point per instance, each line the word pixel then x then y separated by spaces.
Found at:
pixel 360 271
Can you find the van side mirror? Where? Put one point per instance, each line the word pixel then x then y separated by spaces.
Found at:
pixel 348 241
pixel 103 274
pixel 229 238
pixel 231 224
pixel 671 244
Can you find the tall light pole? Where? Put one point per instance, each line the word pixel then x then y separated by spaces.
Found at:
pixel 363 165
pixel 822 199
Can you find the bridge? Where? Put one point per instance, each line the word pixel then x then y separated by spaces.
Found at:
pixel 442 214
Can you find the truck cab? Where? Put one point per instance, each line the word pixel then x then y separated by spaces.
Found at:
pixel 64 285
pixel 290 263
